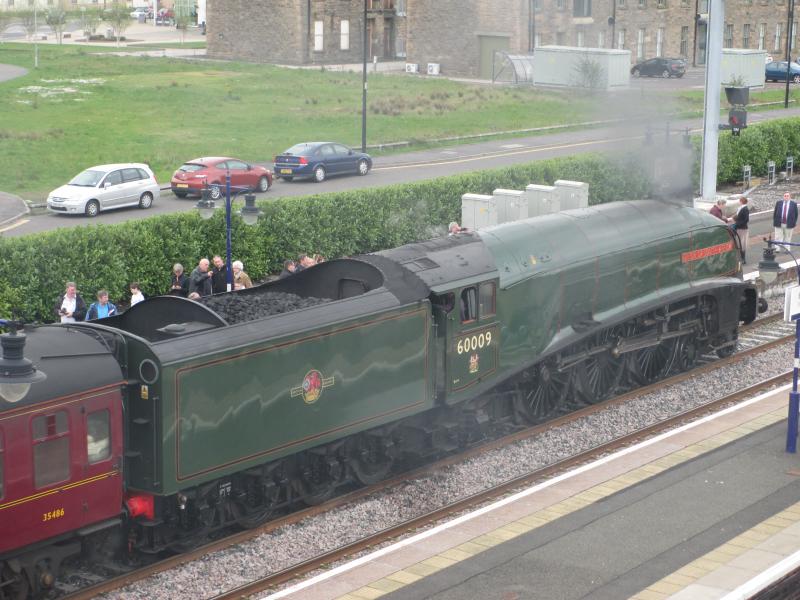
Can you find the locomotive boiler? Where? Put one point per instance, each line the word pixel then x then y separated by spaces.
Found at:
pixel 158 426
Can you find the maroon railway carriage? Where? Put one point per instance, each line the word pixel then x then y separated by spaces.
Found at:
pixel 60 456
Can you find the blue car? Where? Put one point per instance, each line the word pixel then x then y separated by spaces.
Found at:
pixel 319 160
pixel 776 71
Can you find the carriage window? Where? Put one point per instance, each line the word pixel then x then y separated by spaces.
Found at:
pixel 50 449
pixel 98 436
pixel 469 305
pixel 486 292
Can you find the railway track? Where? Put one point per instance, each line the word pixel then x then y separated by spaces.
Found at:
pixel 755 338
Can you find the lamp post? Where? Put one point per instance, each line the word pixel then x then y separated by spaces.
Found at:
pixel 250 214
pixel 769 268
pixel 364 85
pixel 789 36
pixel 17 373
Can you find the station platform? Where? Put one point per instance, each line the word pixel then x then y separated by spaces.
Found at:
pixel 706 511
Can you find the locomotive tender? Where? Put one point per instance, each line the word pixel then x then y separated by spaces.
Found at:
pixel 166 422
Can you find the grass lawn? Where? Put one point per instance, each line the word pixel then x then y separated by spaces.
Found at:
pixel 693 100
pixel 80 109
pixel 84 106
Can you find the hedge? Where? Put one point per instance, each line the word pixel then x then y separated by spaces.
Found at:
pixel 33 268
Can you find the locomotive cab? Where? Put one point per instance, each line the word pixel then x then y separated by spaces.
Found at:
pixel 466 320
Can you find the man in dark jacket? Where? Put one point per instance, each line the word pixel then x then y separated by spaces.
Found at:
pixel 741 223
pixel 219 276
pixel 784 218
pixel 200 279
pixel 69 306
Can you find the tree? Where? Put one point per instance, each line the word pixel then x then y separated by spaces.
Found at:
pixel 5 19
pixel 182 21
pixel 28 20
pixel 56 18
pixel 89 20
pixel 119 17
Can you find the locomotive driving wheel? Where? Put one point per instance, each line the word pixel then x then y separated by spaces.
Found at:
pixel 687 353
pixel 600 374
pixel 654 362
pixel 13 586
pixel 539 397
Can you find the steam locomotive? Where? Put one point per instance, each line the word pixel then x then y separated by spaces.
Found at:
pixel 176 418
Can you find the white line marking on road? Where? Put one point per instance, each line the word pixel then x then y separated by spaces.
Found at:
pixel 510 146
pixel 17 224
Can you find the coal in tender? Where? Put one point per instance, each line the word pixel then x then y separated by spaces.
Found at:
pixel 240 308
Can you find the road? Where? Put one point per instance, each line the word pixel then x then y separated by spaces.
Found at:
pixel 413 166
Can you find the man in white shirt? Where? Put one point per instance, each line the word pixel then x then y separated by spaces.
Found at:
pixel 70 307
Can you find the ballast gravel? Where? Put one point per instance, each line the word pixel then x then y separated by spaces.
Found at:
pixel 233 567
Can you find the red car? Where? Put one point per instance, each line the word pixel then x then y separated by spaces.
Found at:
pixel 194 175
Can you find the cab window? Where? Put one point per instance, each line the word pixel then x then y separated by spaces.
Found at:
pixel 486 298
pixel 2 462
pixel 98 436
pixel 469 305
pixel 50 449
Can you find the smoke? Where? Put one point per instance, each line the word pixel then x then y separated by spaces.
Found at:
pixel 644 123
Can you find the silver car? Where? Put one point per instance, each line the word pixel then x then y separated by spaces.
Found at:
pixel 105 187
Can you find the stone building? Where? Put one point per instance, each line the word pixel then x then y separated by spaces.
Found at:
pixel 475 29
pixel 305 31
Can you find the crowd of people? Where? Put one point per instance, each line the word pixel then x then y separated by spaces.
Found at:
pixel 207 278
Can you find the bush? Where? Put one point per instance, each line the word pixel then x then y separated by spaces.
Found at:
pixel 756 146
pixel 33 268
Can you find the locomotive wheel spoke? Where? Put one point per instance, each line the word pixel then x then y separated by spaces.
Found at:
pixel 687 353
pixel 545 393
pixel 600 374
pixel 653 363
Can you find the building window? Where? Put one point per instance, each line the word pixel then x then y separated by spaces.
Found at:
pixel 762 36
pixel 684 3
pixel 579 39
pixel 50 449
pixel 601 39
pixel 344 42
pixel 640 43
pixel 98 436
pixel 621 4
pixel 746 35
pixel 703 6
pixel 582 8
pixel 659 41
pixel 621 39
pixel 727 42
pixel 318 36
pixel 685 40
pixel 642 4
pixel 778 35
pixel 661 3
pixel 537 40
pixel 537 4
pixel 561 4
pixel 561 38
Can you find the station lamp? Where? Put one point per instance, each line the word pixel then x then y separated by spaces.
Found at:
pixel 250 212
pixel 17 373
pixel 206 205
pixel 768 267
